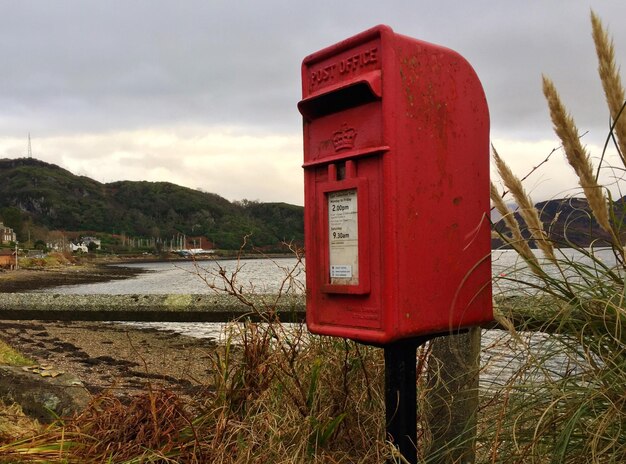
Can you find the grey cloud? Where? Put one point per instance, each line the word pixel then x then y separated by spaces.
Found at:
pixel 96 66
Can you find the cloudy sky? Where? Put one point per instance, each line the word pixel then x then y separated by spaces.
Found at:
pixel 203 93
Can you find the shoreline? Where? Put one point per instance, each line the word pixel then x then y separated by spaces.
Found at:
pixel 115 357
pixel 94 271
pixel 25 280
pixel 106 356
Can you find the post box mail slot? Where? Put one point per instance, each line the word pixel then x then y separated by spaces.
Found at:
pixel 396 166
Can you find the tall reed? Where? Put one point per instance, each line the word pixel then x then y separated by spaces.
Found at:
pixel 553 388
pixel 563 399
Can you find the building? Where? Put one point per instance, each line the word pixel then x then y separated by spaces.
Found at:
pixel 8 259
pixel 89 240
pixel 84 244
pixel 6 234
pixel 79 247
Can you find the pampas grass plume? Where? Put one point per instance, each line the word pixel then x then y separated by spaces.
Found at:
pixel 576 155
pixel 516 240
pixel 611 82
pixel 526 207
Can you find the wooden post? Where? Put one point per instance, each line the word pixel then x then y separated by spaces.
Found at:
pixel 453 397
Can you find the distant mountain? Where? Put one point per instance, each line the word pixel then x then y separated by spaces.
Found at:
pixel 49 197
pixel 569 221
pixel 56 199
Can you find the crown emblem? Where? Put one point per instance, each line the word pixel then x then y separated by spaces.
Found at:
pixel 344 139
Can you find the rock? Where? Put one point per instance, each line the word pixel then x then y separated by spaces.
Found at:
pixel 144 307
pixel 42 392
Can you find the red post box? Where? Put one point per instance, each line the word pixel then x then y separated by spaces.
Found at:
pixel 396 166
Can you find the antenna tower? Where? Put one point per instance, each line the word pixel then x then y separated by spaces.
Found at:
pixel 30 150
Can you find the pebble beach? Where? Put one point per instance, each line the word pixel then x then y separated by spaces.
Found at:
pixel 105 356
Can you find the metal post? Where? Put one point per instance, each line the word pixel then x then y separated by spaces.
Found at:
pixel 401 397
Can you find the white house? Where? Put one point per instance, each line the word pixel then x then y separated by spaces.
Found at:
pixel 89 240
pixel 6 234
pixel 80 246
pixel 84 243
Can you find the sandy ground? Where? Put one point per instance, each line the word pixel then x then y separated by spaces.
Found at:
pixel 106 355
pixel 114 357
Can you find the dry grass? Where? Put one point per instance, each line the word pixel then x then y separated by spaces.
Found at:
pixel 52 260
pixel 516 239
pixel 282 396
pixel 611 82
pixel 316 400
pixel 15 424
pixel 576 155
pixel 526 207
pixel 277 395
pixel 564 398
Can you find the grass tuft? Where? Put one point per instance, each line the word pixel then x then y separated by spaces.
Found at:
pixel 558 396
pixel 11 357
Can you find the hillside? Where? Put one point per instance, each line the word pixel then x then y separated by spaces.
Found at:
pixel 55 199
pixel 569 221
pixel 35 194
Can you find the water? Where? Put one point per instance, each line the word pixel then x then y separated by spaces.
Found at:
pixel 267 276
pixel 499 353
pixel 536 357
pixel 270 275
pixel 509 270
pixel 188 277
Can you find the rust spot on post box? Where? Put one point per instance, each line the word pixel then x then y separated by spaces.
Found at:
pixel 385 250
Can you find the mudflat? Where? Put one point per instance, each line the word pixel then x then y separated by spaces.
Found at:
pixel 23 280
pixel 115 357
pixel 106 356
